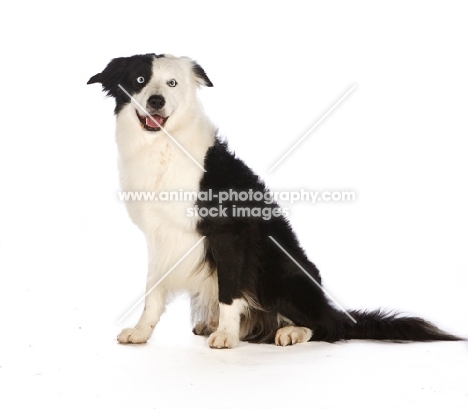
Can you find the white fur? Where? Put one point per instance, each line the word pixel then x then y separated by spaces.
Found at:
pixel 150 161
pixel 227 334
pixel 291 335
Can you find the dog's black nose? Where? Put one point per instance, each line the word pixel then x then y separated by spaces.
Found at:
pixel 156 101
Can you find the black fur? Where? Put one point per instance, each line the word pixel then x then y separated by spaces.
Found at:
pixel 249 264
pixel 125 71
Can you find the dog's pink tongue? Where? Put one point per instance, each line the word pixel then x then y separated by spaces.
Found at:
pixel 154 122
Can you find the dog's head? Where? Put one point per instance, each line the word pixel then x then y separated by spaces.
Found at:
pixel 156 87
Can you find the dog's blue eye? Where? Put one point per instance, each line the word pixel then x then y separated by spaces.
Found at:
pixel 141 80
pixel 172 83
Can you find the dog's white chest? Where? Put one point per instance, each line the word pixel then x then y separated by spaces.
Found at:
pixel 162 175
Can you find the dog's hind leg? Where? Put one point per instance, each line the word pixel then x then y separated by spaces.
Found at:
pixel 291 335
pixel 205 315
pixel 304 303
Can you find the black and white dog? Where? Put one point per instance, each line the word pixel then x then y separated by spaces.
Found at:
pixel 243 286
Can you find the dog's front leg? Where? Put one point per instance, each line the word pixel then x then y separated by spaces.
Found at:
pixel 227 334
pixel 155 303
pixel 229 252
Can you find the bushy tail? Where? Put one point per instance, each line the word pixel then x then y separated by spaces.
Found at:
pixel 392 326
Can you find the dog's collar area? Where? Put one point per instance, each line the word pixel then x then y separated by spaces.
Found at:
pixel 151 123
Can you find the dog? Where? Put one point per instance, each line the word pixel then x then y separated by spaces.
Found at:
pixel 247 276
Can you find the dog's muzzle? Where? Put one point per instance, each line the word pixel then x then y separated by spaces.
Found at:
pixel 153 122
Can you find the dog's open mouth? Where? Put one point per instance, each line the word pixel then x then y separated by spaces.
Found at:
pixel 152 123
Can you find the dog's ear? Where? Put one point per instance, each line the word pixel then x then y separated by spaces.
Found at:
pixel 201 76
pixel 94 79
pixel 112 75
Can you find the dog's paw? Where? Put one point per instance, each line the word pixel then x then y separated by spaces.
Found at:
pixel 222 339
pixel 133 336
pixel 291 335
pixel 203 328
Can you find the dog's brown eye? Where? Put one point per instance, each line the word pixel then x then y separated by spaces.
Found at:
pixel 141 80
pixel 172 83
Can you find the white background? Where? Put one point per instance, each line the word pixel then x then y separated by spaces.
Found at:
pixel 71 262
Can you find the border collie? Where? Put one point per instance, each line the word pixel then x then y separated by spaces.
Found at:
pixel 247 276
